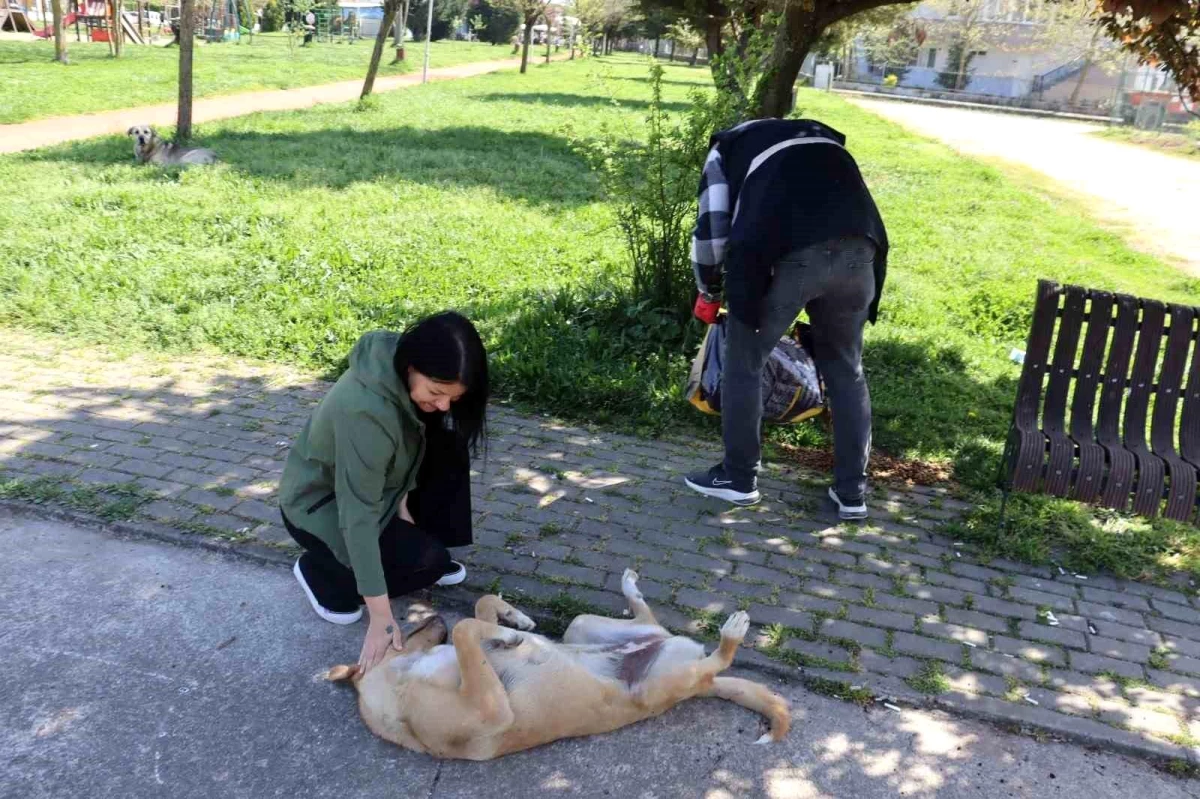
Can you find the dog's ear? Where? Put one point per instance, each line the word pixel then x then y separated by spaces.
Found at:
pixel 131 130
pixel 340 673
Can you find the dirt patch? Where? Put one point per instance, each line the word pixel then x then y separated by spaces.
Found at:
pixel 882 468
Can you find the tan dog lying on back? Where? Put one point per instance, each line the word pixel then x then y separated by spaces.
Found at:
pixel 497 690
pixel 148 148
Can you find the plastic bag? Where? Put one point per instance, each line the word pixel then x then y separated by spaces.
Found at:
pixel 791 386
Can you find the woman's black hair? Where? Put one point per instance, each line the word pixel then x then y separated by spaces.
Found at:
pixel 446 347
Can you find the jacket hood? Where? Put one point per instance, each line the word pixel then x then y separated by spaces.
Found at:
pixel 372 365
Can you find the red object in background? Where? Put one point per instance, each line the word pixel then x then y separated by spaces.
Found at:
pixel 1171 100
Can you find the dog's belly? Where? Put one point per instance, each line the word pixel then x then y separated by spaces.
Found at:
pixel 439 665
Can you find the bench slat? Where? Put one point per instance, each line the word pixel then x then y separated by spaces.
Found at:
pixel 1181 501
pixel 1121 463
pixel 1062 447
pixel 1090 475
pixel 1029 443
pixel 1151 471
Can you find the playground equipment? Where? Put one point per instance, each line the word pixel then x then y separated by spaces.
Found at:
pixel 15 17
pixel 97 16
pixel 224 24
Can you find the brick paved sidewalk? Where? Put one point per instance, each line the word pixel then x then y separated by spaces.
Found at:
pixel 889 609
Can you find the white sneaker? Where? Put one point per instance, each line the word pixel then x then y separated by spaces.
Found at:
pixel 455 577
pixel 848 512
pixel 324 613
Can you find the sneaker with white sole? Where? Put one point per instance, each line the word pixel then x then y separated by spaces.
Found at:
pixel 849 511
pixel 454 577
pixel 715 483
pixel 325 613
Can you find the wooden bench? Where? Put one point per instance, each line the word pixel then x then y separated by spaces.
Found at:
pixel 1137 449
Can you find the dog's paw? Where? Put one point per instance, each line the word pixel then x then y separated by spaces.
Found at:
pixel 736 626
pixel 515 618
pixel 629 581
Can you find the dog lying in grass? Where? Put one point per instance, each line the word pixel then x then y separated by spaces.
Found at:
pixel 149 148
pixel 496 690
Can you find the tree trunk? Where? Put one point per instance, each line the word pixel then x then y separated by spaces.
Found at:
pixel 695 55
pixel 116 30
pixel 793 39
pixel 60 35
pixel 389 18
pixel 656 41
pixel 1083 73
pixel 548 41
pixel 187 36
pixel 525 44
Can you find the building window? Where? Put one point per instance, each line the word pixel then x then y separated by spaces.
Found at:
pixel 931 59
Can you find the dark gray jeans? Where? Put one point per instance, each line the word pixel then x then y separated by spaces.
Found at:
pixel 834 282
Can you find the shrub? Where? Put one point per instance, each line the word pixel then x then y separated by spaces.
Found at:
pixel 272 18
pixel 890 81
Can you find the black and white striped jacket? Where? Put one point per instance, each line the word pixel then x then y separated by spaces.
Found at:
pixel 762 194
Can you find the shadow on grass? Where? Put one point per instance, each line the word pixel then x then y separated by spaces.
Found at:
pixel 577 100
pixel 535 167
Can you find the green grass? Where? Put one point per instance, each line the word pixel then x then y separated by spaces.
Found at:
pixel 1185 144
pixel 36 87
pixel 929 679
pixel 1083 539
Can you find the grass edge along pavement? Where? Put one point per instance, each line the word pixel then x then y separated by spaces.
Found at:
pixel 891 609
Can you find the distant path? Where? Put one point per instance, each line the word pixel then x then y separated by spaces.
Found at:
pixel 44 132
pixel 1152 197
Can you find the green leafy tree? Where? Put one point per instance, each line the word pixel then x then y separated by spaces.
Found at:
pixel 272 18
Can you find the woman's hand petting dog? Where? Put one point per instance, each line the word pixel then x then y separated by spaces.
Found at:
pixel 382 632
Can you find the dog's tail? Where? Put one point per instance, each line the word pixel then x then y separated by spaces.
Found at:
pixel 758 698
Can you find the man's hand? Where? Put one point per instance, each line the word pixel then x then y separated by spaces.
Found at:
pixel 706 308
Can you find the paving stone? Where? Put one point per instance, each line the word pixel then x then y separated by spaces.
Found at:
pixel 980 573
pixel 973 587
pixel 102 476
pixel 905 604
pixel 1096 611
pixel 923 647
pixel 721 568
pixel 758 591
pixel 1086 684
pixel 738 554
pixel 840 593
pixel 1142 720
pixel 212 499
pixel 503 561
pixel 1135 635
pixel 867 636
pixel 1175 682
pixel 1176 628
pixel 863 580
pixel 937 593
pixel 810 603
pixel 818 650
pixel 881 618
pixel 1002 607
pixel 574 574
pixel 1008 666
pixel 1178 612
pixel 1184 664
pixel 167 511
pixel 1051 586
pixel 973 618
pixel 1116 598
pixel 1095 664
pixel 955 632
pixel 1042 598
pixel 1162 701
pixel 143 468
pixel 770 614
pixel 749 571
pixel 901 667
pixel 975 682
pixel 1182 646
pixel 1111 647
pixel 1038 653
pixel 260 511
pixel 1055 635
